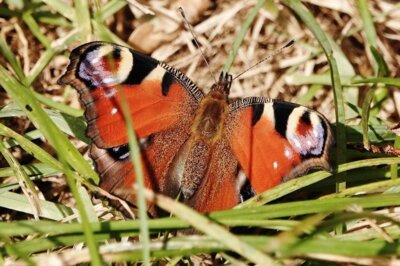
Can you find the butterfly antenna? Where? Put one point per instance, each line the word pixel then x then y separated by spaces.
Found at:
pixel 189 27
pixel 289 44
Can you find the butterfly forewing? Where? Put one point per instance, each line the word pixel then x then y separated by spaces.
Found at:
pixel 275 141
pixel 158 95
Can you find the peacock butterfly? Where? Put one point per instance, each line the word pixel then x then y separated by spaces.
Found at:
pixel 213 150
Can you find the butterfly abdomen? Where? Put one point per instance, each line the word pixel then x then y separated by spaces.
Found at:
pixel 206 136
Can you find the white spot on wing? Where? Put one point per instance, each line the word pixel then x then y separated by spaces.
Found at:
pixel 288 153
pixel 275 165
pixel 124 156
pixel 114 111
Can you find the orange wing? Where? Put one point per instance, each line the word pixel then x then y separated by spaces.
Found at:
pixel 158 153
pixel 158 95
pixel 275 141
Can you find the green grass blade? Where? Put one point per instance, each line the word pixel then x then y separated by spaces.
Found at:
pixel 136 156
pixel 106 34
pixel 280 210
pixel 109 9
pixel 394 171
pixel 346 72
pixel 43 61
pixel 49 210
pixel 366 106
pixel 378 64
pixel 15 252
pixel 71 125
pixel 83 19
pixel 368 187
pixel 90 240
pixel 52 242
pixel 56 47
pixel 30 135
pixel 7 12
pixel 376 134
pixel 309 95
pixel 12 60
pixel 52 19
pixel 87 203
pixel 384 80
pixel 291 238
pixel 34 27
pixel 369 28
pixel 58 106
pixel 31 148
pixel 35 169
pixel 61 7
pixel 383 69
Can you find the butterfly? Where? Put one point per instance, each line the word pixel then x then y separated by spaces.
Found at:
pixel 213 151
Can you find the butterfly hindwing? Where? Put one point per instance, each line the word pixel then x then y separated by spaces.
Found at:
pixel 218 188
pixel 276 141
pixel 159 96
pixel 158 154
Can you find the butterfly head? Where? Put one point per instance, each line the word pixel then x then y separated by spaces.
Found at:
pixel 223 85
